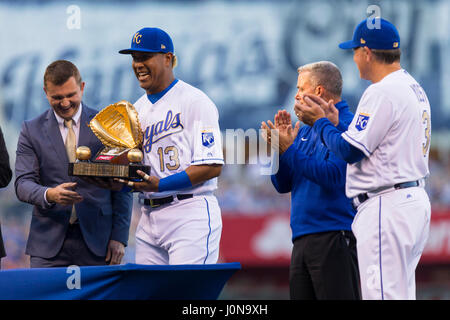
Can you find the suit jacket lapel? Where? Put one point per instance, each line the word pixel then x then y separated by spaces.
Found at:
pixel 85 131
pixel 54 136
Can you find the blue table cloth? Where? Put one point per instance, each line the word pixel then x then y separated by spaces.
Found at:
pixel 121 282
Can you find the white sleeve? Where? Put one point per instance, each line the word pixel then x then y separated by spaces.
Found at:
pixel 206 137
pixel 373 119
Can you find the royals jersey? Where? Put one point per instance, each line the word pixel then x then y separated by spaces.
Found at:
pixel 180 129
pixel 392 127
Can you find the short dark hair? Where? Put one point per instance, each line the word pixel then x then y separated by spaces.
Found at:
pixel 324 73
pixel 59 71
pixel 387 56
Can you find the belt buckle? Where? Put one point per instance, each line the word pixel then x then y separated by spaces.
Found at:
pixel 154 205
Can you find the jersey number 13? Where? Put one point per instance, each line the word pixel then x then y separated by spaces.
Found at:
pixel 173 162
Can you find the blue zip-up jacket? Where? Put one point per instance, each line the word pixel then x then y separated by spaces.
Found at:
pixel 316 179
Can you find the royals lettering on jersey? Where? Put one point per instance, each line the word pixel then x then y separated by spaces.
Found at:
pixel 172 124
pixel 420 94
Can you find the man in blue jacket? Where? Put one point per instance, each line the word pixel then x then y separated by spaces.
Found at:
pixel 324 262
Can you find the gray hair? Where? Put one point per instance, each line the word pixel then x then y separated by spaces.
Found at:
pixel 326 74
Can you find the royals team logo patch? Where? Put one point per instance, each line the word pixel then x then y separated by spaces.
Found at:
pixel 208 139
pixel 361 122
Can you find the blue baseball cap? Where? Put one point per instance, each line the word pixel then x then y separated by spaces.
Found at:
pixel 378 35
pixel 150 40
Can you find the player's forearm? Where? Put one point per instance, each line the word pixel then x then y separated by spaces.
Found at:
pixel 326 173
pixel 342 126
pixel 332 138
pixel 345 118
pixel 193 175
pixel 201 173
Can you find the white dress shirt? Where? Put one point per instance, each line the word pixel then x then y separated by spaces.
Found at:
pixel 76 119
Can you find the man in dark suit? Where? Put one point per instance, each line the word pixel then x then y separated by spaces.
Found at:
pixel 5 178
pixel 73 222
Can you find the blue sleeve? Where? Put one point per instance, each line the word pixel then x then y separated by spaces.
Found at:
pixel 175 181
pixel 326 173
pixel 332 138
pixel 342 126
pixel 122 205
pixel 282 180
pixel 28 182
pixel 345 118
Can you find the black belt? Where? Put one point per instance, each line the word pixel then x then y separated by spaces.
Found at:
pixel 154 203
pixel 364 196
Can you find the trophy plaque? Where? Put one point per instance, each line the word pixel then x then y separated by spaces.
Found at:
pixel 117 127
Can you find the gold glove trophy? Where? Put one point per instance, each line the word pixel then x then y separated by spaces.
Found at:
pixel 117 127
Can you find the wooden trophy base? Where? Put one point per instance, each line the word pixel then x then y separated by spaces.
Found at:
pixel 108 163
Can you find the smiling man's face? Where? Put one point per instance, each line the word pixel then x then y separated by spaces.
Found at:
pixel 66 98
pixel 153 70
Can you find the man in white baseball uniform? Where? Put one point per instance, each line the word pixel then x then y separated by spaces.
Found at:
pixel 386 147
pixel 181 220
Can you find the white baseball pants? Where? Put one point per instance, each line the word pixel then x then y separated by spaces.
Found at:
pixel 391 230
pixel 183 232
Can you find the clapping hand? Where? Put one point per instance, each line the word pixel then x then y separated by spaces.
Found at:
pixel 314 108
pixel 281 132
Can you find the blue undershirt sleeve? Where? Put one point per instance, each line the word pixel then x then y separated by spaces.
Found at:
pixel 282 180
pixel 342 127
pixel 331 137
pixel 175 181
pixel 329 173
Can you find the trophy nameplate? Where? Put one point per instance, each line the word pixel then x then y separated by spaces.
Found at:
pixel 117 127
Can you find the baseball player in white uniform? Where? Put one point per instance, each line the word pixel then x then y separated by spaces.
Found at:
pixel 386 147
pixel 181 219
